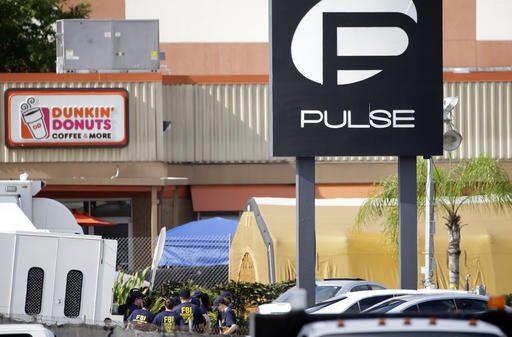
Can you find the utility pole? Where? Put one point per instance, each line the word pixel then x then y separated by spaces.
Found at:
pixel 430 227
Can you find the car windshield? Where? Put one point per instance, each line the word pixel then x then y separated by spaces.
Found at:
pixel 322 293
pixel 321 305
pixel 385 306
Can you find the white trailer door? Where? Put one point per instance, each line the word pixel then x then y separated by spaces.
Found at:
pixel 33 279
pixel 7 248
pixel 76 278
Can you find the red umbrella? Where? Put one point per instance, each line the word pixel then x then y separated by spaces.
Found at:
pixel 85 219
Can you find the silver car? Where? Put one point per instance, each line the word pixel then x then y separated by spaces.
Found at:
pixel 323 291
pixel 355 302
pixel 432 303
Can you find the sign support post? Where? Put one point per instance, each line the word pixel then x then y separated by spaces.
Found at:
pixel 407 223
pixel 306 241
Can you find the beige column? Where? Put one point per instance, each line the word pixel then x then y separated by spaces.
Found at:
pixel 154 218
pixel 175 214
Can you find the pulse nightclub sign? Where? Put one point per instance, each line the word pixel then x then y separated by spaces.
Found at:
pixel 356 77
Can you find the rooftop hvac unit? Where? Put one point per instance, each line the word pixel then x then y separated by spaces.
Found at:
pixel 85 46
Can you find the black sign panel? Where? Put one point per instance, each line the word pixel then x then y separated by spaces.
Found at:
pixel 356 77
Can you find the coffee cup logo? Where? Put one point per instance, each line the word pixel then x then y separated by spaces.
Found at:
pixel 34 119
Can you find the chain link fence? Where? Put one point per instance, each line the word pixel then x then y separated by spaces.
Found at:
pixel 133 253
pixel 76 328
pixel 202 259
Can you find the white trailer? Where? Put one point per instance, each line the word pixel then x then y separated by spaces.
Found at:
pixel 45 273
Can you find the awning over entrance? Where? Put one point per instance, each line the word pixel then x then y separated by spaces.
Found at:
pixel 85 220
pixel 208 198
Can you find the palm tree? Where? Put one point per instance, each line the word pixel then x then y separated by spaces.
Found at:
pixel 479 181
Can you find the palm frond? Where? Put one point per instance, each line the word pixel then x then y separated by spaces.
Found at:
pixel 479 181
pixel 384 196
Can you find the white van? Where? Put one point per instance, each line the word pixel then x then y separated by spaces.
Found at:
pixel 48 270
pixel 401 327
pixel 25 330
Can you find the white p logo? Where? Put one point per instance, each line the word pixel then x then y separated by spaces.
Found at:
pixel 307 43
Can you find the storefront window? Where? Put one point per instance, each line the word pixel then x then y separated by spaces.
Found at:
pixel 111 208
pixel 118 211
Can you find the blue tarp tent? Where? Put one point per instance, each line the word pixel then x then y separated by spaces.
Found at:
pixel 199 243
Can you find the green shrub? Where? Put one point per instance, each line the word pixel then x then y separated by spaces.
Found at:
pixel 172 289
pixel 158 305
pixel 122 288
pixel 508 299
pixel 245 296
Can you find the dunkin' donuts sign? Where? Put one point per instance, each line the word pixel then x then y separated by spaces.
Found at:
pixel 66 117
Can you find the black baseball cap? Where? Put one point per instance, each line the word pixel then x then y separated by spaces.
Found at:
pixel 219 298
pixel 195 300
pixel 197 293
pixel 136 293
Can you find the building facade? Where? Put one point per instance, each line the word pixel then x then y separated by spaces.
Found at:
pixel 227 37
pixel 212 95
pixel 214 155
